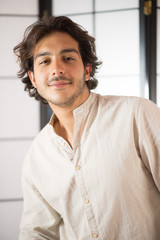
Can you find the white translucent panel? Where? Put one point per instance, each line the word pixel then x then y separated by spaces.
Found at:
pixel 126 85
pixel 11 35
pixel 10 216
pixel 117 41
pixel 19 112
pixel 102 5
pixel 158 3
pixel 86 21
pixel 158 90
pixel 158 55
pixel 158 41
pixel 63 7
pixel 12 154
pixel 19 7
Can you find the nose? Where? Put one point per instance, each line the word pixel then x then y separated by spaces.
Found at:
pixel 57 68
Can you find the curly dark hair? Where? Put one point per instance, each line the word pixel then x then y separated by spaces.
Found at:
pixel 35 32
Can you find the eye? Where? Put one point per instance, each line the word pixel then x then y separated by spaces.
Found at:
pixel 69 59
pixel 45 61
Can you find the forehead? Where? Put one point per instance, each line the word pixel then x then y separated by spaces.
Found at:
pixel 56 41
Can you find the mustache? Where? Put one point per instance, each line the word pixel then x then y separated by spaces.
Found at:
pixel 56 79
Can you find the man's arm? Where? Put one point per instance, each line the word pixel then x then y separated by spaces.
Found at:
pixel 149 138
pixel 39 221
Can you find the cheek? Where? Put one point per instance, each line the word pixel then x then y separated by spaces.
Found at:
pixel 40 75
pixel 77 71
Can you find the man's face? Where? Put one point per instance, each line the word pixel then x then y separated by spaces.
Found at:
pixel 59 74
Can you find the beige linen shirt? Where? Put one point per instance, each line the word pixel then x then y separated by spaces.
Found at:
pixel 108 186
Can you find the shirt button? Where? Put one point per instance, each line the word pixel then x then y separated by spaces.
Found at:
pixel 77 167
pixel 63 144
pixel 94 235
pixel 86 201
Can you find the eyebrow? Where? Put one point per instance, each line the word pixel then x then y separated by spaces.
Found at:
pixel 42 54
pixel 67 50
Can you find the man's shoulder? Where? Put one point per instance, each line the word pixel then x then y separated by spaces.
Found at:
pixel 130 103
pixel 41 138
pixel 120 100
pixel 43 134
pixel 38 148
pixel 124 99
pixel 44 131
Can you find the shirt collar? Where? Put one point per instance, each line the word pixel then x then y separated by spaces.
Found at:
pixel 84 107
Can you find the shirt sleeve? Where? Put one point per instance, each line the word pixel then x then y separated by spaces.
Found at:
pixel 39 221
pixel 149 137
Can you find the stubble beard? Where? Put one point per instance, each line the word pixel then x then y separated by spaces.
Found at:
pixel 70 100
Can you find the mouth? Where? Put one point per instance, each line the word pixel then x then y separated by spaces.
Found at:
pixel 59 84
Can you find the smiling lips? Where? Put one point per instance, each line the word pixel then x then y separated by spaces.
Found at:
pixel 59 84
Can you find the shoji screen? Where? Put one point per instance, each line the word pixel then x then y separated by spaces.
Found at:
pixel 115 25
pixel 117 36
pixel 19 117
pixel 158 53
pixel 78 11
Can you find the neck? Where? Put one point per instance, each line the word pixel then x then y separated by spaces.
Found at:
pixel 64 126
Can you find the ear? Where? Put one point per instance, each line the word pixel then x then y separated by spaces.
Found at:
pixel 88 70
pixel 32 78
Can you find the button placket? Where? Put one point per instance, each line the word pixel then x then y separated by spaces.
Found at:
pixel 94 235
pixel 87 206
pixel 77 167
pixel 65 147
pixel 86 201
pixel 78 161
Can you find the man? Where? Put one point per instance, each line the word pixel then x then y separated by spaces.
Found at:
pixel 93 172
